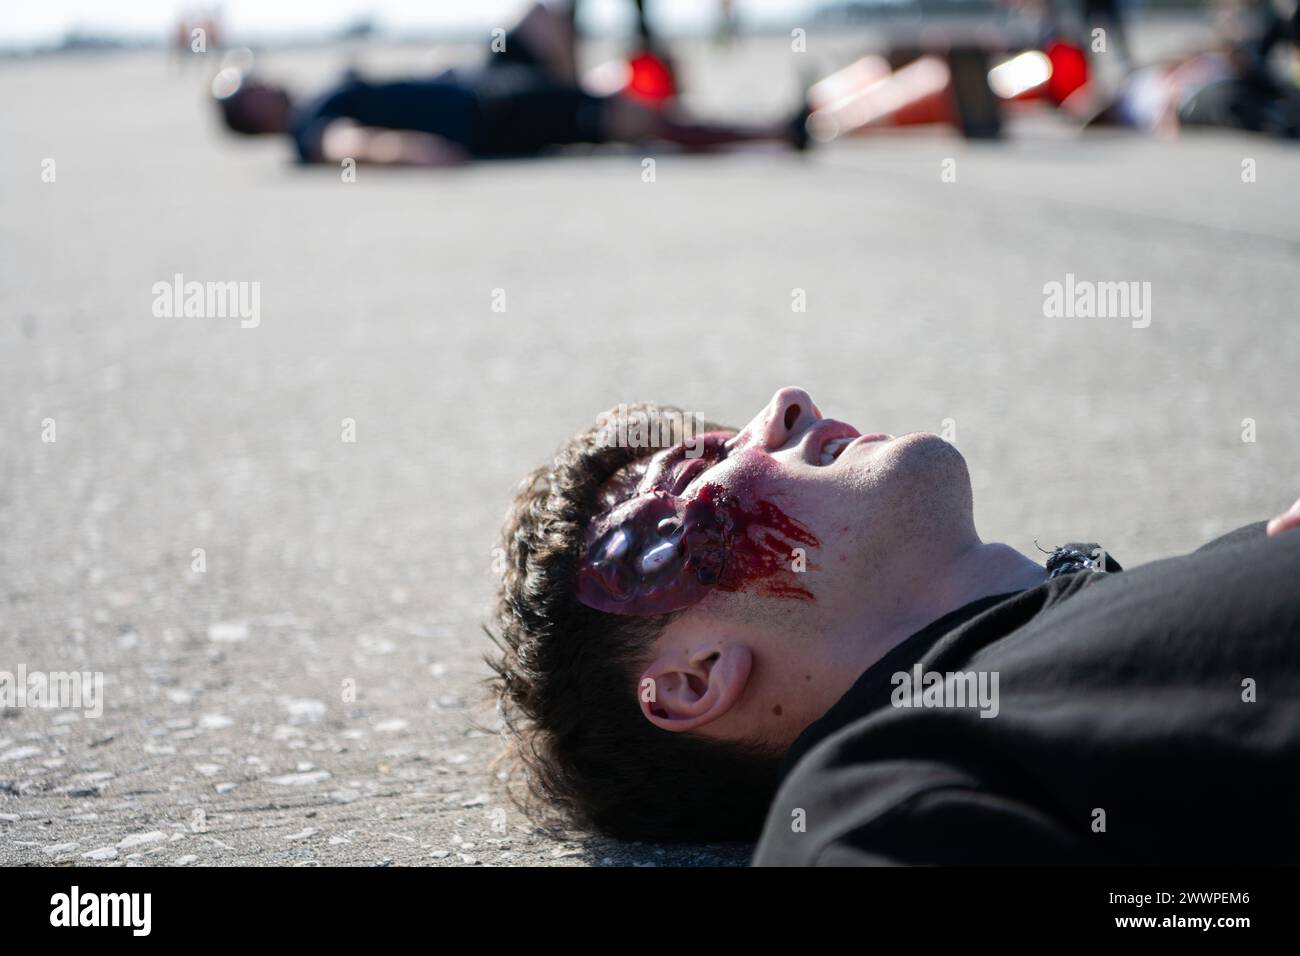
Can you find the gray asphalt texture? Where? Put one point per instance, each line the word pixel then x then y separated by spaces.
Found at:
pixel 225 736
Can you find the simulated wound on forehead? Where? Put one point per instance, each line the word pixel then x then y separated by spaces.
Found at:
pixel 663 549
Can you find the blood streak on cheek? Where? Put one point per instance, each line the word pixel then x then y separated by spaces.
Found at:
pixel 738 548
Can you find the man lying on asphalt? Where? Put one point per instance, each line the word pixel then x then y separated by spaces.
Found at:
pixel 794 630
pixel 520 102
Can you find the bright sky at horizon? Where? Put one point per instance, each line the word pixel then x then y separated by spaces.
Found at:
pixel 42 22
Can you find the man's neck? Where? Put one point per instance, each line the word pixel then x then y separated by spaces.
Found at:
pixel 928 592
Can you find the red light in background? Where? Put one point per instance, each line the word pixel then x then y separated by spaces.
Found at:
pixel 1069 69
pixel 651 81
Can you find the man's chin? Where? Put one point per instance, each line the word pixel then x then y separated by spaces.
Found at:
pixel 918 445
pixel 922 462
pixel 928 442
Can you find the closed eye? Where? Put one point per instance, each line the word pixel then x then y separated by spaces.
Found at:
pixel 690 470
pixel 687 472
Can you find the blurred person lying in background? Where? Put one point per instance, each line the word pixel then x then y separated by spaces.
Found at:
pixel 794 630
pixel 1246 82
pixel 524 100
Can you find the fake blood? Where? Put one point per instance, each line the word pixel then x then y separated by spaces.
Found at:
pixel 751 546
pixel 658 552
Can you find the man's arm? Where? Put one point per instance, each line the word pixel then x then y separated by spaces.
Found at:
pixel 914 812
pixel 344 139
pixel 953 826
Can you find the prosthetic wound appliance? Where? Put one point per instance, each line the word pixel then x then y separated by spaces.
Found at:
pixel 658 552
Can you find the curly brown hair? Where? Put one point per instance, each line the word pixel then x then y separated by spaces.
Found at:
pixel 565 679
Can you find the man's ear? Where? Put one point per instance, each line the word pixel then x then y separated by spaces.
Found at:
pixel 683 690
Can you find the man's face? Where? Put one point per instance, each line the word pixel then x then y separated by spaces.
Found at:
pixel 809 506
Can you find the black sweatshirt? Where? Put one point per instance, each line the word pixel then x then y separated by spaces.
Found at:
pixel 1146 716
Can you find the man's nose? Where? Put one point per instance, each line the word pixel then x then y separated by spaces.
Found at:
pixel 790 411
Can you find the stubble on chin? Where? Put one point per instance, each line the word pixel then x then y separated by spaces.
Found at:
pixel 921 493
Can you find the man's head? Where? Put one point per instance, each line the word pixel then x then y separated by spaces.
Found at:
pixel 249 106
pixel 669 721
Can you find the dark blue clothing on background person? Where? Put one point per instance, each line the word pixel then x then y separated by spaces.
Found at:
pixel 506 111
pixel 438 105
